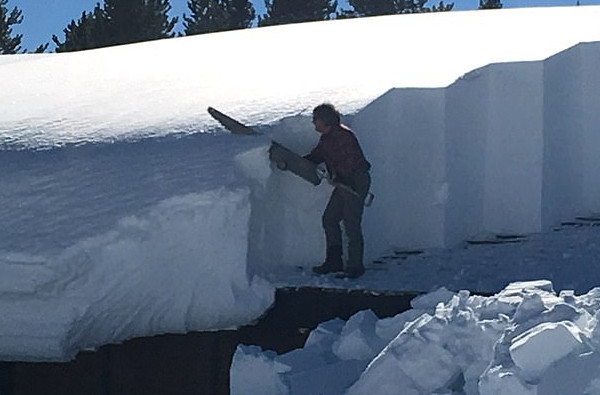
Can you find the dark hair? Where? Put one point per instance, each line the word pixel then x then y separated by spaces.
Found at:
pixel 327 113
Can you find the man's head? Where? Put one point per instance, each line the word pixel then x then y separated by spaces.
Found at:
pixel 325 116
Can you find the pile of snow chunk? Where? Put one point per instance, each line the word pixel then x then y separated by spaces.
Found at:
pixel 524 340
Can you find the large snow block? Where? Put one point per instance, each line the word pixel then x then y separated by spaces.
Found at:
pixel 285 223
pixel 402 135
pixel 571 140
pixel 467 101
pixel 178 267
pixel 534 351
pixel 590 119
pixel 513 171
pixel 494 155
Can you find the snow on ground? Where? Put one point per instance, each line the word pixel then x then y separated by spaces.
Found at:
pixel 564 255
pixel 526 339
pixel 531 337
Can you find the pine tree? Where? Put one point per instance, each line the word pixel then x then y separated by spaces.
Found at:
pixel 241 13
pixel 207 16
pixel 42 48
pixel 440 7
pixel 362 8
pixel 9 44
pixel 218 15
pixel 373 7
pixel 130 21
pixel 295 11
pixel 489 4
pixel 90 31
pixel 118 22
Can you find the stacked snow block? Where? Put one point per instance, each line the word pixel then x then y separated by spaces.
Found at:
pixel 571 139
pixel 510 148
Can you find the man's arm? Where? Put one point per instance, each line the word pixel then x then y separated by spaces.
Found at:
pixel 315 155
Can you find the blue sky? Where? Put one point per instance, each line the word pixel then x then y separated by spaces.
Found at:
pixel 44 18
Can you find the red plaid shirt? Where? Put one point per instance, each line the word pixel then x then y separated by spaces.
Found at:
pixel 340 151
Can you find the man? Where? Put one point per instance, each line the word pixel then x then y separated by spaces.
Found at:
pixel 338 147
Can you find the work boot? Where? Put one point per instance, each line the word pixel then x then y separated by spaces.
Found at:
pixel 333 261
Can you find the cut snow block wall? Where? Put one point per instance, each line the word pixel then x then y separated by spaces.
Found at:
pixel 513 168
pixel 402 135
pixel 563 140
pixel 590 120
pixel 179 267
pixel 467 103
pixel 285 224
pixel 571 141
pixel 494 155
pixel 105 242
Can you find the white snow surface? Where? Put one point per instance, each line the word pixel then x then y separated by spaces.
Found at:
pixel 126 211
pixel 160 272
pixel 260 75
pixel 526 339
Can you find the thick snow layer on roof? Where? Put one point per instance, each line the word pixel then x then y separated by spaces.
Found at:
pixel 263 74
pixel 179 267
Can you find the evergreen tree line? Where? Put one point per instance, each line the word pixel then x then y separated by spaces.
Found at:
pixel 9 43
pixel 118 22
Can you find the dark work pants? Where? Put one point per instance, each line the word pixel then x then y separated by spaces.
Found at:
pixel 348 208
